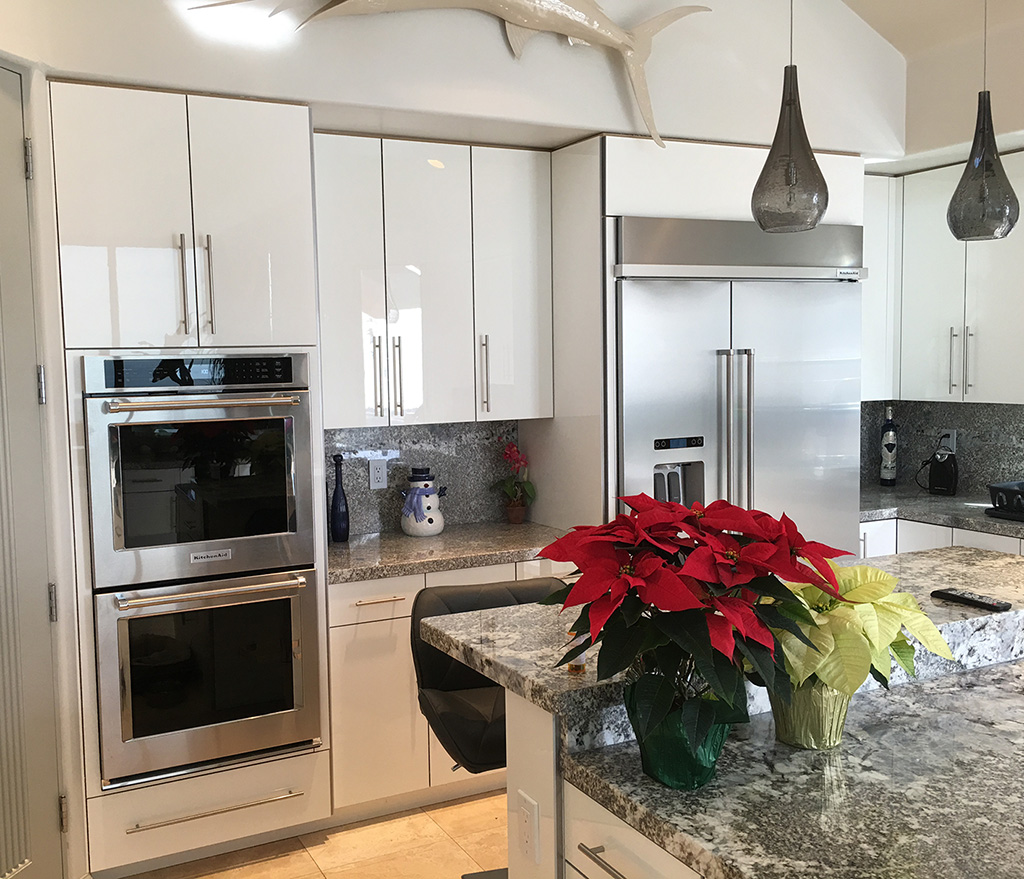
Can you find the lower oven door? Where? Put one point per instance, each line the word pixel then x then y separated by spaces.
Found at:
pixel 204 672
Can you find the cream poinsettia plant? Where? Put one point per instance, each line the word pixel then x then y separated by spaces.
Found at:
pixel 858 635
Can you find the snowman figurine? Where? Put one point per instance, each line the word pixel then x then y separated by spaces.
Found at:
pixel 421 514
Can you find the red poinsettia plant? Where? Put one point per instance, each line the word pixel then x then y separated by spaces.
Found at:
pixel 686 598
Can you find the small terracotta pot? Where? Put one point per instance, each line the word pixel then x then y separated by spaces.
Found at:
pixel 516 513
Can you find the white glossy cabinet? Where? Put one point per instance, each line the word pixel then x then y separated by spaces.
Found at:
pixel 912 536
pixel 931 361
pixel 428 246
pixel 984 540
pixel 880 291
pixel 877 538
pixel 183 220
pixel 512 283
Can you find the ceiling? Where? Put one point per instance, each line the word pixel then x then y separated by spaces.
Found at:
pixel 913 26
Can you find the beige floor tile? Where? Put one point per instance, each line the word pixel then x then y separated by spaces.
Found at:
pixel 470 815
pixel 286 859
pixel 340 847
pixel 442 859
pixel 489 848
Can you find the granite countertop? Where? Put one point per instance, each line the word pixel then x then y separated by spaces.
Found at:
pixel 916 761
pixel 911 502
pixel 373 556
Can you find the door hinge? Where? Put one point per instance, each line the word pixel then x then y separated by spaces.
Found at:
pixel 62 812
pixel 41 383
pixel 52 592
pixel 28 158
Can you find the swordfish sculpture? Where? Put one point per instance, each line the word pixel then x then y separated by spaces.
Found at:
pixel 581 21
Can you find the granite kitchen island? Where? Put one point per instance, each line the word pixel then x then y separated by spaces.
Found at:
pixel 928 783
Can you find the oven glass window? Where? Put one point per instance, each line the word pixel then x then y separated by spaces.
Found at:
pixel 189 481
pixel 201 667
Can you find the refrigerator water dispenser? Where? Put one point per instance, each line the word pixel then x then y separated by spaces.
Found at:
pixel 681 483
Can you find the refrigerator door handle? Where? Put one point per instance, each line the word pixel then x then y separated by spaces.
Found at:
pixel 730 420
pixel 749 353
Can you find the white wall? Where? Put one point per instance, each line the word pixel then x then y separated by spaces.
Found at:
pixel 713 76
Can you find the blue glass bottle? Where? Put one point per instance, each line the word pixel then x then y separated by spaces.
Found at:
pixel 339 505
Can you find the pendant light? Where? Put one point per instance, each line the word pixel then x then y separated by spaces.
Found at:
pixel 791 194
pixel 984 206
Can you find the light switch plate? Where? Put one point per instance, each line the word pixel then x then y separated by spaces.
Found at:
pixel 950 441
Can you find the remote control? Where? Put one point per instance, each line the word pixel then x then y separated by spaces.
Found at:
pixel 962 596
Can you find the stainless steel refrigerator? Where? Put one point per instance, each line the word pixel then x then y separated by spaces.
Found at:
pixel 738 369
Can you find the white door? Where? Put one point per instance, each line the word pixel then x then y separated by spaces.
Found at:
pixel 995 311
pixel 30 844
pixel 350 262
pixel 428 244
pixel 512 283
pixel 253 205
pixel 124 215
pixel 931 354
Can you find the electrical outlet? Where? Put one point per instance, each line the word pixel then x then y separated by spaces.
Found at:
pixel 378 473
pixel 528 820
pixel 950 441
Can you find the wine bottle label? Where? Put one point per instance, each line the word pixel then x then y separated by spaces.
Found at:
pixel 888 469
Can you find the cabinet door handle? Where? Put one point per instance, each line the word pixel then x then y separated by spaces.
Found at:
pixel 749 352
pixel 968 335
pixel 140 828
pixel 485 362
pixel 209 271
pixel 595 855
pixel 184 283
pixel 363 602
pixel 396 362
pixel 730 418
pixel 378 378
pixel 952 336
pixel 864 546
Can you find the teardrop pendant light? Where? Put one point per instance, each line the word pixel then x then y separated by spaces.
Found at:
pixel 791 194
pixel 984 206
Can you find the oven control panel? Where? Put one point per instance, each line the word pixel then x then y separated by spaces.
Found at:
pixel 106 375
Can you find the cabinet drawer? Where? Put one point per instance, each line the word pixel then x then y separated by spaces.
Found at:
pixel 984 540
pixel 369 600
pixel 473 576
pixel 632 854
pixel 136 825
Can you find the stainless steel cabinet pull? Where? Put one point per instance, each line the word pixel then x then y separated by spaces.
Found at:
pixel 396 363
pixel 238 592
pixel 378 378
pixel 485 363
pixel 363 602
pixel 184 283
pixel 595 855
pixel 749 352
pixel 730 418
pixel 209 271
pixel 968 335
pixel 159 406
pixel 952 336
pixel 864 546
pixel 139 828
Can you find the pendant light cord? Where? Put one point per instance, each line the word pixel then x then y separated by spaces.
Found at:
pixel 984 74
pixel 791 29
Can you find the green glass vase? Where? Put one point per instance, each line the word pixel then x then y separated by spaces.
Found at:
pixel 813 718
pixel 666 753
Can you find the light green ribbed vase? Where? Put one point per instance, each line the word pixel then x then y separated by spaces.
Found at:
pixel 813 719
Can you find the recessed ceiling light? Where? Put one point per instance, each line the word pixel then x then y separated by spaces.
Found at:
pixel 238 24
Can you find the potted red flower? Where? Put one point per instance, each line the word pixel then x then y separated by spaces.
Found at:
pixel 518 489
pixel 684 600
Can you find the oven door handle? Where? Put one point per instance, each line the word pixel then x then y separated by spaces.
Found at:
pixel 239 592
pixel 157 406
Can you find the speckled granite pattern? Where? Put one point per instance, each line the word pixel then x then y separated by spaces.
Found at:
pixel 960 511
pixel 926 785
pixel 374 556
pixel 466 458
pixel 990 440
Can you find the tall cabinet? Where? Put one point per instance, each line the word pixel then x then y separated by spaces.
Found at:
pixel 183 220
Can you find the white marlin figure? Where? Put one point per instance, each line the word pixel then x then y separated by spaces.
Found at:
pixel 581 21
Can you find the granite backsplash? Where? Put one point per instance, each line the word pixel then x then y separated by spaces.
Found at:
pixel 464 457
pixel 990 441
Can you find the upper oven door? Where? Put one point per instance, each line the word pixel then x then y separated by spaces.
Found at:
pixel 182 487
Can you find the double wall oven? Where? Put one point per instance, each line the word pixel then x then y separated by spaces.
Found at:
pixel 205 595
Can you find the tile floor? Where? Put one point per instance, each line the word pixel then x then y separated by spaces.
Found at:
pixel 434 842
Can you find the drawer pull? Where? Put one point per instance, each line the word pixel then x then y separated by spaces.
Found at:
pixel 139 828
pixel 595 855
pixel 363 602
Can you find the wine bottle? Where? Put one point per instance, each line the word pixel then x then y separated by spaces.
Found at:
pixel 339 506
pixel 889 444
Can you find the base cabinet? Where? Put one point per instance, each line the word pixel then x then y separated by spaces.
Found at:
pixel 912 536
pixel 984 540
pixel 133 826
pixel 598 845
pixel 877 538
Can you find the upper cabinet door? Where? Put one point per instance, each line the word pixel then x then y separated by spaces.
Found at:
pixel 995 310
pixel 931 355
pixel 253 207
pixel 124 216
pixel 350 261
pixel 512 283
pixel 429 264
pixel 880 291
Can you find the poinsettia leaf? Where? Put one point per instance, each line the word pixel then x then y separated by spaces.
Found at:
pixel 879 676
pixel 849 663
pixel 772 587
pixel 760 657
pixel 669 657
pixel 926 632
pixel 903 652
pixel 689 630
pixel 632 608
pixel 582 623
pixel 696 717
pixel 869 621
pixel 798 612
pixel 622 644
pixel 575 651
pixel 774 618
pixel 558 596
pixel 652 697
pixel 863 583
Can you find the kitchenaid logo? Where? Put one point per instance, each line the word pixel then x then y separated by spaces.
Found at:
pixel 848 274
pixel 217 555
